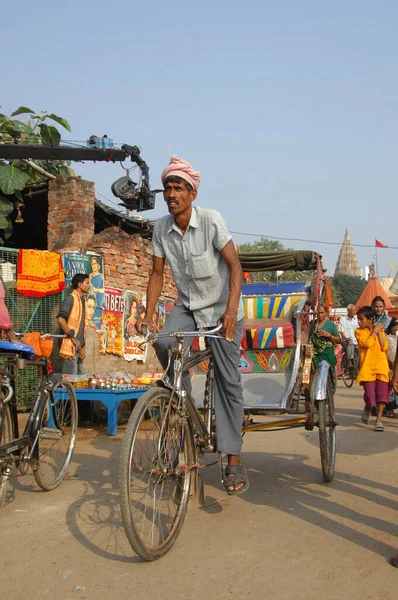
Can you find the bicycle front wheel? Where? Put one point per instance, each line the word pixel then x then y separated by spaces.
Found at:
pixel 155 475
pixel 327 433
pixel 6 435
pixel 57 436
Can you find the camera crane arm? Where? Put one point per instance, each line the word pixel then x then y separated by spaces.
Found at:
pixel 136 198
pixel 74 153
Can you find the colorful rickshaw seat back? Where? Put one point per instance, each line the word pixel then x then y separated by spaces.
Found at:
pixel 270 314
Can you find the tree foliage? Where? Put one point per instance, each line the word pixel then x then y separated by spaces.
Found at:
pixel 266 245
pixel 349 288
pixel 17 175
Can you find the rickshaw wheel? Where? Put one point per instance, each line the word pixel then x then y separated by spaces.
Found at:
pixel 327 433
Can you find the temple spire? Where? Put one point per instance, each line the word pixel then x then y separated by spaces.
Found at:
pixel 347 263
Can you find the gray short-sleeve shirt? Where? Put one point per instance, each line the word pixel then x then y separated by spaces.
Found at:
pixel 200 273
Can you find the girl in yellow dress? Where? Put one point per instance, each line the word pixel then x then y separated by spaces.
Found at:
pixel 374 371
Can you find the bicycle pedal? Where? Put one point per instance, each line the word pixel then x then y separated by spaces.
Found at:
pixel 48 433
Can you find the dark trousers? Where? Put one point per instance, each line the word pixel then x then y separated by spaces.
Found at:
pixel 228 393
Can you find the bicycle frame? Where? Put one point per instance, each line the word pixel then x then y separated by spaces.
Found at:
pixel 201 425
pixel 30 436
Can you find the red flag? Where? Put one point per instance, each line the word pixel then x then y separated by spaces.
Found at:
pixel 380 244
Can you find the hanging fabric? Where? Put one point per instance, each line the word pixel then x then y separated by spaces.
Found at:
pixel 39 273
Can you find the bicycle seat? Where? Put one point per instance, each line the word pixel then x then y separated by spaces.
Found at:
pixel 23 349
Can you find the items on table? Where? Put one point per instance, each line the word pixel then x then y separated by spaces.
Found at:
pixel 113 381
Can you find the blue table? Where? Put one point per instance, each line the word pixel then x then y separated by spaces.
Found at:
pixel 111 399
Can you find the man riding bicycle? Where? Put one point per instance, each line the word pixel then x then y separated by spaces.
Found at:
pixel 208 276
pixel 347 327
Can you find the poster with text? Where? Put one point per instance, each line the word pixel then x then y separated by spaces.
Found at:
pixel 112 322
pixel 92 265
pixel 134 309
pixel 160 315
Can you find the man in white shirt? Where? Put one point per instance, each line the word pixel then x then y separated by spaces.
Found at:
pixel 347 327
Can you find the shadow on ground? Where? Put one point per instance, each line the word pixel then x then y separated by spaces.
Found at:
pixel 284 482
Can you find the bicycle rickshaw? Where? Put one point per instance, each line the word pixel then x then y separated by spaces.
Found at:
pixel 172 428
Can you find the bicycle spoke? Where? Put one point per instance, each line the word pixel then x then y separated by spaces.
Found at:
pixel 57 436
pixel 157 486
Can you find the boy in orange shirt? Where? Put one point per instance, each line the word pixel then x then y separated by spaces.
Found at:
pixel 374 372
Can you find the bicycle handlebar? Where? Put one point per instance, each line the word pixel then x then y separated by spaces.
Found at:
pixel 198 333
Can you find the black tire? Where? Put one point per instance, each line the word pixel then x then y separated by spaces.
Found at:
pixel 57 436
pixel 6 435
pixel 347 373
pixel 327 433
pixel 154 484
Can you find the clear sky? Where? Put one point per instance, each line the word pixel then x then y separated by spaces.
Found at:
pixel 288 108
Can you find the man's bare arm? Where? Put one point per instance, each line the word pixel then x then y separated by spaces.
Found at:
pixel 155 286
pixel 229 318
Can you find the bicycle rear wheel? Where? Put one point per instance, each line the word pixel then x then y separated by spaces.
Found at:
pixel 57 436
pixel 154 475
pixel 6 435
pixel 327 433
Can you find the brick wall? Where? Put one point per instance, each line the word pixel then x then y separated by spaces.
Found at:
pixel 127 259
pixel 70 222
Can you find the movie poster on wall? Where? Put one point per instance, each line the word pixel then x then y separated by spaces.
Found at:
pixel 112 322
pixel 93 265
pixel 134 309
pixel 160 315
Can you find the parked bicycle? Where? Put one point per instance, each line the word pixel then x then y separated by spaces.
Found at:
pixel 48 440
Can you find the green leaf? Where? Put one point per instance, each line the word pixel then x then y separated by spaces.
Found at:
pixel 15 125
pixel 60 120
pixel 55 135
pixel 7 229
pixel 49 134
pixel 35 177
pixel 6 207
pixel 4 223
pixel 12 179
pixel 22 110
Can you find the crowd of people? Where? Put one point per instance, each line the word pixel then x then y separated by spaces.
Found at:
pixel 364 336
pixel 199 250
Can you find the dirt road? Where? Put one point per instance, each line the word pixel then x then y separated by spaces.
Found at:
pixel 291 536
